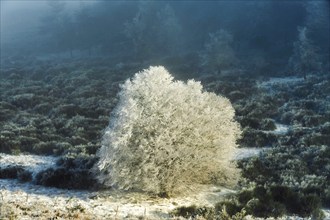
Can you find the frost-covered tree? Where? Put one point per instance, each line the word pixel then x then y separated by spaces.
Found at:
pixel 169 31
pixel 138 30
pixel 317 15
pixel 87 35
pixel 153 29
pixel 165 136
pixel 59 28
pixel 218 54
pixel 305 58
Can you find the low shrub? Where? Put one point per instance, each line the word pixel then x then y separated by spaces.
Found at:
pixel 10 172
pixel 68 179
pixel 274 201
pixel 194 212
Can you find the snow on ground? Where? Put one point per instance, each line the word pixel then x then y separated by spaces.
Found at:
pixel 38 202
pixel 35 163
pixel 28 201
pixel 281 129
pixel 99 205
pixel 32 163
pixel 326 213
pixel 270 84
pixel 43 202
pixel 280 80
pixel 242 153
pixel 31 201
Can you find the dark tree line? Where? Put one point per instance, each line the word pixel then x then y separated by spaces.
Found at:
pixel 263 33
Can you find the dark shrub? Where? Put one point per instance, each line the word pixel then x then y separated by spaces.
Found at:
pixel 231 207
pixel 193 211
pixel 326 198
pixel 24 176
pixel 245 196
pixel 257 138
pixel 250 122
pixel 10 172
pixel 257 208
pixel 267 124
pixel 282 194
pixel 78 162
pixel 66 178
pixel 309 204
pixel 278 209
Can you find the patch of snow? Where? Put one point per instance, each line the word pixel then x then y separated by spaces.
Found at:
pixel 242 153
pixel 281 129
pixel 280 80
pixel 32 163
pixel 326 213
pixel 293 217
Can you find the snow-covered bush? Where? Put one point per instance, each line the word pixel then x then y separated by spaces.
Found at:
pixel 165 136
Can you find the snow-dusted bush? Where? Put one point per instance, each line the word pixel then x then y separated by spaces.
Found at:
pixel 165 136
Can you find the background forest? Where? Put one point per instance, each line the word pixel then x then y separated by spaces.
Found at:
pixel 261 36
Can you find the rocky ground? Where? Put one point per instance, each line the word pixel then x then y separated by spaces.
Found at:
pixel 59 109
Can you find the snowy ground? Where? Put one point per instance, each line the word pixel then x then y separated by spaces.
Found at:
pixel 247 152
pixel 242 153
pixel 28 201
pixel 44 202
pixel 35 163
pixel 32 163
pixel 279 80
pixel 31 201
pixel 281 129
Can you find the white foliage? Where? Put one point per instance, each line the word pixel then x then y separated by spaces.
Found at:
pixel 165 136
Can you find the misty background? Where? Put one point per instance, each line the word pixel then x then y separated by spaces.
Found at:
pixel 260 36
